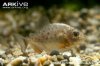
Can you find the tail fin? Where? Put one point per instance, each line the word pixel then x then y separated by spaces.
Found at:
pixel 21 40
pixel 3 43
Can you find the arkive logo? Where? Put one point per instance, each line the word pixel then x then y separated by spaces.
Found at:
pixel 16 4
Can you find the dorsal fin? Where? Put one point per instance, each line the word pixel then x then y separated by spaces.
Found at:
pixel 41 23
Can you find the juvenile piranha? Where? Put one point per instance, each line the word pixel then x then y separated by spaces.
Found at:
pixel 55 36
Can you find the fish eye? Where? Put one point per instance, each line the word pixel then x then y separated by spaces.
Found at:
pixel 76 33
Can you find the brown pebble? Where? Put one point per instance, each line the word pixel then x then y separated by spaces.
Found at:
pixel 57 64
pixel 17 61
pixel 42 59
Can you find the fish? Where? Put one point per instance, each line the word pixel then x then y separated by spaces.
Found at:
pixel 53 36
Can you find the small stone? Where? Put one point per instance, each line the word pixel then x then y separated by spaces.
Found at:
pixel 57 64
pixel 67 53
pixel 92 38
pixel 24 64
pixel 2 52
pixel 65 62
pixel 1 62
pixel 54 52
pixel 25 61
pixel 17 62
pixel 73 23
pixel 52 64
pixel 42 59
pixel 31 63
pixel 75 60
pixel 39 55
pixel 73 54
pixel 60 57
pixel 82 47
pixel 46 63
pixel 66 57
pixel 54 58
pixel 84 13
pixel 98 27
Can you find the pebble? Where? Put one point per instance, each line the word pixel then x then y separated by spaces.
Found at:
pixel 74 24
pixel 1 62
pixel 42 59
pixel 17 61
pixel 51 64
pixel 57 64
pixel 93 21
pixel 47 63
pixel 60 57
pixel 75 60
pixel 84 14
pixel 33 61
pixel 54 52
pixel 67 53
pixel 2 52
pixel 82 47
pixel 54 58
pixel 66 57
pixel 92 38
pixel 65 61
pixel 63 64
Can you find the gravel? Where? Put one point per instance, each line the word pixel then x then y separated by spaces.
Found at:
pixel 24 23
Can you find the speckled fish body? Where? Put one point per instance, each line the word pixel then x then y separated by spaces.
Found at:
pixel 56 36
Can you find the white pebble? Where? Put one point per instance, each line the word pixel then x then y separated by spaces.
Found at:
pixel 75 60
pixel 51 64
pixel 63 64
pixel 67 53
pixel 1 61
